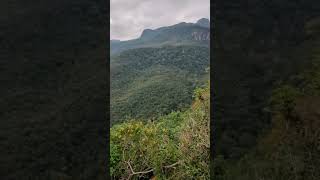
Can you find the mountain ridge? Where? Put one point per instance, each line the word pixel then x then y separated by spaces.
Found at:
pixel 181 33
pixel 204 22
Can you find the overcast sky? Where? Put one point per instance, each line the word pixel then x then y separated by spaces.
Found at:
pixel 130 17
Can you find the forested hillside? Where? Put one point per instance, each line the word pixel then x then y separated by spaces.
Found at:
pixel 160 99
pixel 148 82
pixel 157 73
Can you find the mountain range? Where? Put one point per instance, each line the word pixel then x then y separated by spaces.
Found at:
pixel 197 33
pixel 157 73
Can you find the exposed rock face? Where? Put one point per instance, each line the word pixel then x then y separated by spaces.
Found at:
pixel 179 33
pixel 201 36
pixel 147 33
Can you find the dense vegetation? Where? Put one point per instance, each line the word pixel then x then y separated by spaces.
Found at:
pixel 149 82
pixel 257 44
pixel 271 131
pixel 291 148
pixel 176 146
pixel 155 133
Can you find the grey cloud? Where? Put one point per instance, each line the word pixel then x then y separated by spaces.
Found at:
pixel 131 17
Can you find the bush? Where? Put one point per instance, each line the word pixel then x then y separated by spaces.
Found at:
pixel 176 146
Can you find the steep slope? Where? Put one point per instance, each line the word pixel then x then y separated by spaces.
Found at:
pixel 148 82
pixel 176 146
pixel 182 33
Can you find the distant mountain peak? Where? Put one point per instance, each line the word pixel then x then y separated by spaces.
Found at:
pixel 203 22
pixel 182 33
pixel 147 33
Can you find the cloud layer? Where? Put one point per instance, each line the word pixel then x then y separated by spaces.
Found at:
pixel 130 17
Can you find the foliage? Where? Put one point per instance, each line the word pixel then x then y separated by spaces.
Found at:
pixel 195 137
pixel 176 146
pixel 290 149
pixel 149 82
pixel 283 100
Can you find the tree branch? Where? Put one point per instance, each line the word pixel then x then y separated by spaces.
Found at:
pixel 147 171
pixel 135 173
pixel 172 165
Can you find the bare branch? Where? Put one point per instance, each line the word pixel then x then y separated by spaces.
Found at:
pixel 130 167
pixel 143 172
pixel 172 165
pixel 135 173
pixel 147 171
